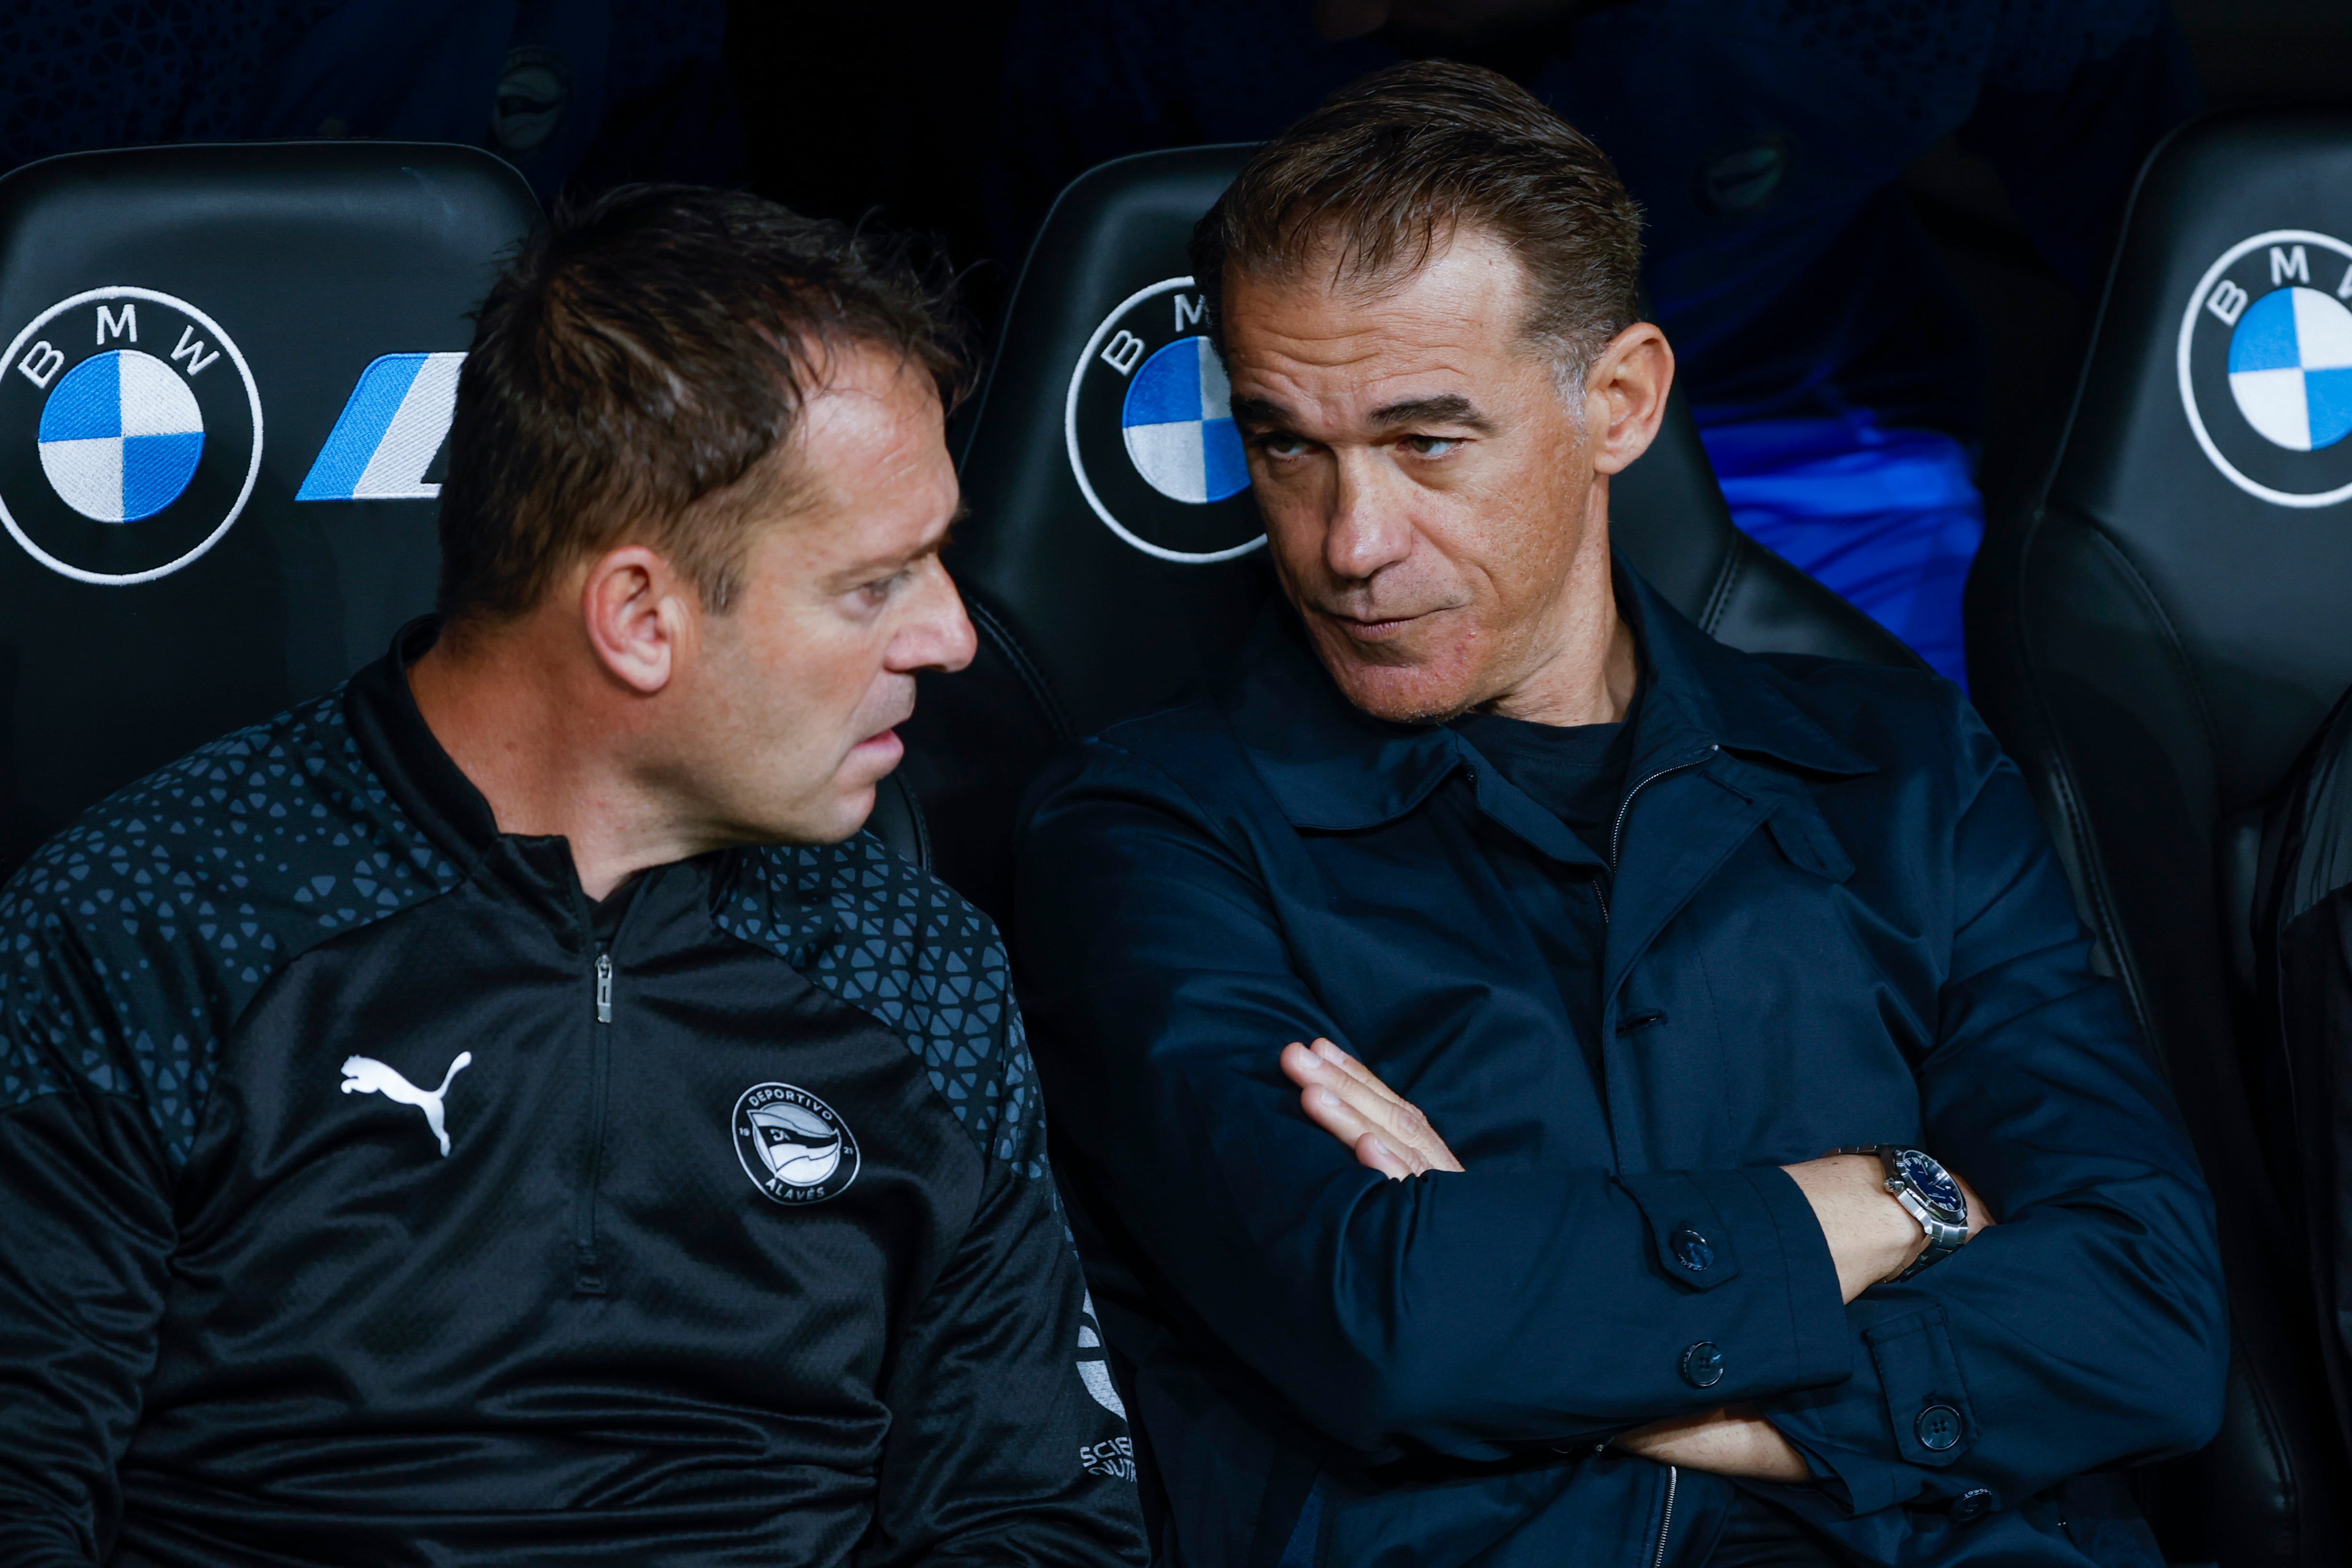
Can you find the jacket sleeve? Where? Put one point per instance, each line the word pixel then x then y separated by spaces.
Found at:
pixel 86 1233
pixel 2086 1329
pixel 1464 1314
pixel 1008 1442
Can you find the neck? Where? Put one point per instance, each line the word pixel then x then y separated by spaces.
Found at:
pixel 1586 668
pixel 547 739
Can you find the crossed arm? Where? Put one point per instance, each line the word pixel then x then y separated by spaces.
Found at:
pixel 1871 1239
pixel 1165 974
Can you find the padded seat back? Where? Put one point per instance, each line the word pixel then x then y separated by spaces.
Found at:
pixel 1113 555
pixel 2154 643
pixel 228 373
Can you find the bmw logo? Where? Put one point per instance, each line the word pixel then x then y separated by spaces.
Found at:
pixel 2265 362
pixel 129 435
pixel 791 1144
pixel 1150 431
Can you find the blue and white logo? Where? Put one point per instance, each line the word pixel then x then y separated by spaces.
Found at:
pixel 1150 426
pixel 794 1146
pixel 2266 367
pixel 1178 425
pixel 129 435
pixel 121 435
pixel 389 431
pixel 2291 368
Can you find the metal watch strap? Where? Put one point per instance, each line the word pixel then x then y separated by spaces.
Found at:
pixel 1943 1239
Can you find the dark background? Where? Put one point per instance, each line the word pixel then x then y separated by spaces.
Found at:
pixel 889 106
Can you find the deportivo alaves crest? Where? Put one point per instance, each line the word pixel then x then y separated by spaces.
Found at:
pixel 1150 433
pixel 794 1146
pixel 2264 360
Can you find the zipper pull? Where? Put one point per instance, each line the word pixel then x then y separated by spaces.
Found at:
pixel 603 987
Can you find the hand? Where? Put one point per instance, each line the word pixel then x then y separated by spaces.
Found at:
pixel 1733 1441
pixel 1871 1237
pixel 1340 1095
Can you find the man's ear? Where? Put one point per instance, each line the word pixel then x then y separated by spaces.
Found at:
pixel 639 616
pixel 1626 395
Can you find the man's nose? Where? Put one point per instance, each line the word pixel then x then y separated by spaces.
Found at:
pixel 938 635
pixel 1369 527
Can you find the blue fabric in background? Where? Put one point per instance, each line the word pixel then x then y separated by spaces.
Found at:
pixel 1888 519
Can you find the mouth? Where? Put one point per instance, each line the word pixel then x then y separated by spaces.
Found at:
pixel 882 749
pixel 1372 629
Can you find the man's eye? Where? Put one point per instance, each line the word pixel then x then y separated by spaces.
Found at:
pixel 878 591
pixel 1433 446
pixel 1278 445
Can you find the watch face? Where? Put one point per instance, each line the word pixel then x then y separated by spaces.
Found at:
pixel 1933 1184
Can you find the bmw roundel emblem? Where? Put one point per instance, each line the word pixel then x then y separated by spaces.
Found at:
pixel 1150 431
pixel 792 1145
pixel 129 435
pixel 2266 365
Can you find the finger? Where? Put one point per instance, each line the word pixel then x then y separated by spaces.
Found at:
pixel 1333 1114
pixel 1399 1119
pixel 1400 1122
pixel 1339 1119
pixel 1316 1066
pixel 1371 1151
pixel 1326 1051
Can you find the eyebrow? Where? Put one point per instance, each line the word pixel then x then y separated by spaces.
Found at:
pixel 1449 408
pixel 860 569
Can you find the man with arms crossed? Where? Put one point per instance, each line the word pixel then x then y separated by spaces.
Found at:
pixel 503 1110
pixel 1651 931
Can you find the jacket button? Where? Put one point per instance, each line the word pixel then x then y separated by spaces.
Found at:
pixel 1692 1250
pixel 1938 1428
pixel 1971 1505
pixel 1703 1364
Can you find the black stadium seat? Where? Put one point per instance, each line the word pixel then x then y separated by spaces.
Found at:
pixel 227 375
pixel 2154 641
pixel 304 308
pixel 1103 582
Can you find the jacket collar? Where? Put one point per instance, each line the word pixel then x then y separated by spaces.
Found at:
pixel 428 786
pixel 397 745
pixel 1332 766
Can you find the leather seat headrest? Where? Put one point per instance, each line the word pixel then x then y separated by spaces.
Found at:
pixel 228 373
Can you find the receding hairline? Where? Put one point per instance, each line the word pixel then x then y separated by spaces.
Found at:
pixel 1368 284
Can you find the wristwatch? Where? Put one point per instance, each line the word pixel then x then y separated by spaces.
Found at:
pixel 1927 1189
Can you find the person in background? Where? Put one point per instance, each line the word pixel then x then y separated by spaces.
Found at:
pixel 593 91
pixel 1833 364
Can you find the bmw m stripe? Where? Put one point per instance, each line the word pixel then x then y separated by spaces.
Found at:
pixel 387 436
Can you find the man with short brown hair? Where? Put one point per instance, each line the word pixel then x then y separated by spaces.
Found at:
pixel 1511 1047
pixel 504 1111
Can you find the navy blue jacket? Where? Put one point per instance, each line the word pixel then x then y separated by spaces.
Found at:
pixel 1835 919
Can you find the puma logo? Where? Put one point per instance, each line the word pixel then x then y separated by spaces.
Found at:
pixel 366 1075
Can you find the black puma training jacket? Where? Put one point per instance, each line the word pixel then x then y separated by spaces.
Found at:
pixel 366 1196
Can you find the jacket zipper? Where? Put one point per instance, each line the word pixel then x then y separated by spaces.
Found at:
pixel 1617 829
pixel 588 1271
pixel 1666 1520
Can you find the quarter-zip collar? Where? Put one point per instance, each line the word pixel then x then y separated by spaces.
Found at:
pixel 434 793
pixel 1332 766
